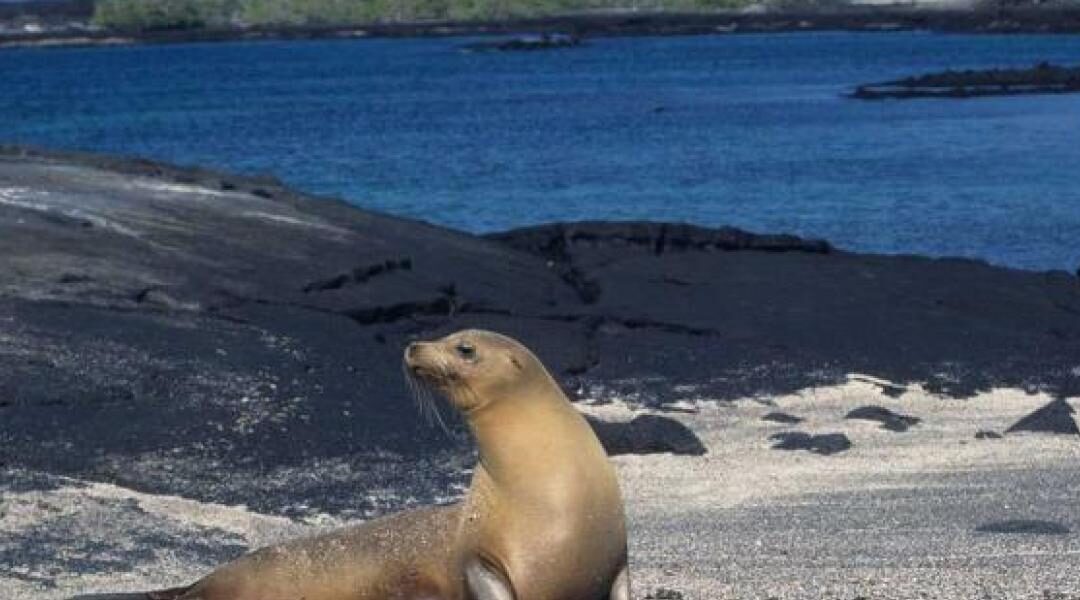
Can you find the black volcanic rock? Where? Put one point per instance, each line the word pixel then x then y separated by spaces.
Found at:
pixel 542 41
pixel 889 420
pixel 1024 526
pixel 151 318
pixel 191 332
pixel 647 434
pixel 780 417
pixel 765 314
pixel 825 443
pixel 1043 78
pixel 664 594
pixel 1055 417
pixel 988 435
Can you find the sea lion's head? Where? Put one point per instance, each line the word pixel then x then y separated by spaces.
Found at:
pixel 472 368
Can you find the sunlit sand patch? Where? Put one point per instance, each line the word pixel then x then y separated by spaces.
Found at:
pixel 91 536
pixel 688 515
pixel 743 473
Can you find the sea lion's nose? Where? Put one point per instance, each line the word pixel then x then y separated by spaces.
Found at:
pixel 411 350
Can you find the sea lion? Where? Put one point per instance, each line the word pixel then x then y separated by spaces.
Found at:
pixel 542 519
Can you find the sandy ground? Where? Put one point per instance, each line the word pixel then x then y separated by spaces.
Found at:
pixel 896 516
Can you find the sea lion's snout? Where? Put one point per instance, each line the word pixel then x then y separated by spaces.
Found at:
pixel 414 359
pixel 422 361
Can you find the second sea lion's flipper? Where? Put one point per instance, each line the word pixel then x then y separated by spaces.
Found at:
pixel 486 583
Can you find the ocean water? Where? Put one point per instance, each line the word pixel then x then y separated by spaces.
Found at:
pixel 746 130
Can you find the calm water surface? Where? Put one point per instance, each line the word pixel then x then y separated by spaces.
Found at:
pixel 749 130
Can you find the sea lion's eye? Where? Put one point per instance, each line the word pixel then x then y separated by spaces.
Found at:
pixel 466 350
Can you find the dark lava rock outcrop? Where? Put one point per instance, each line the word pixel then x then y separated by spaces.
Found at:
pixel 737 313
pixel 228 339
pixel 1024 526
pixel 1055 417
pixel 825 443
pixel 647 434
pixel 1043 78
pixel 889 420
pixel 780 417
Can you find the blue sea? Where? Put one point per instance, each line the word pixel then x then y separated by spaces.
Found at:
pixel 753 131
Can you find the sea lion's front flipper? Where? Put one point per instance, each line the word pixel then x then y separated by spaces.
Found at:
pixel 486 582
pixel 620 590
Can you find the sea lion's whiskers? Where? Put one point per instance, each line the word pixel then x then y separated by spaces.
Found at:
pixel 418 392
pixel 444 369
pixel 424 397
pixel 439 419
pixel 411 383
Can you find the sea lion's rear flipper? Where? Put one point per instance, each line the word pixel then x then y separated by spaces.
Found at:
pixel 169 594
pixel 485 582
pixel 620 590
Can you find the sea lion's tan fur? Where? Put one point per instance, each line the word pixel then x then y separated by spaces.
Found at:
pixel 542 520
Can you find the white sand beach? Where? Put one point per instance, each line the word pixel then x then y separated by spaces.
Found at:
pixel 895 516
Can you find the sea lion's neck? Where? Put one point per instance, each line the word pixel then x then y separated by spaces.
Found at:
pixel 536 427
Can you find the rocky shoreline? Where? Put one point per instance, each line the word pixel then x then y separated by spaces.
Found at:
pixel 179 332
pixel 147 286
pixel 1017 19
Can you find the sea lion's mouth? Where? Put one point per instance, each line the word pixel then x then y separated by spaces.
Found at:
pixel 419 361
pixel 425 366
pixel 418 371
pixel 428 375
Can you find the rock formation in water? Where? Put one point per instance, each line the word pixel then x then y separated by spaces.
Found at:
pixel 1043 78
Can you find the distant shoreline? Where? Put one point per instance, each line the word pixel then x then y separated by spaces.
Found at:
pixel 863 19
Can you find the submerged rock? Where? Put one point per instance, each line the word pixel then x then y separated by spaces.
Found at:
pixel 1043 78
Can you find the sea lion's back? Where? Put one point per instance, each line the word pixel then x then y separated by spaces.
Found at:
pixel 405 555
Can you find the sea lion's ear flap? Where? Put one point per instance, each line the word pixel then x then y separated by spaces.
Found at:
pixel 517 363
pixel 485 582
pixel 620 590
